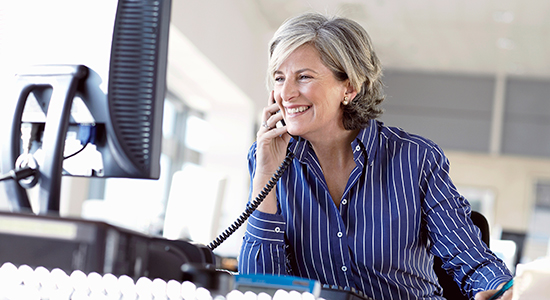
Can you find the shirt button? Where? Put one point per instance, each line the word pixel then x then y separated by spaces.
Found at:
pixel 357 148
pixel 340 234
pixel 344 268
pixel 344 201
pixel 277 229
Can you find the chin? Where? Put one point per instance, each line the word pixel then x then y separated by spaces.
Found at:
pixel 293 132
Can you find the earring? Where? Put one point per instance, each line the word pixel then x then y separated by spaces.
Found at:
pixel 346 101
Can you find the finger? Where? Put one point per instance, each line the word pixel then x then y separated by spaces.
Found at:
pixel 277 135
pixel 271 99
pixel 266 114
pixel 271 107
pixel 265 126
pixel 275 132
pixel 270 119
pixel 265 133
pixel 508 294
pixel 278 113
pixel 484 295
pixel 275 117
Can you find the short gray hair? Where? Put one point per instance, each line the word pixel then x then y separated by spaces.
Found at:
pixel 346 49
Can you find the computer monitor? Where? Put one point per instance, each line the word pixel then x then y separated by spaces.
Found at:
pixel 91 70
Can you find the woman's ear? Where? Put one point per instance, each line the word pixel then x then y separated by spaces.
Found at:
pixel 350 91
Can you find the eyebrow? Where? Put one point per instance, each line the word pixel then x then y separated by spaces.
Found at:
pixel 298 71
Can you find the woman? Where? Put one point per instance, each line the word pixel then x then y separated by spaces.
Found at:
pixel 362 205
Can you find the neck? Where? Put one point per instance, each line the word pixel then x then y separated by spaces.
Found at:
pixel 336 149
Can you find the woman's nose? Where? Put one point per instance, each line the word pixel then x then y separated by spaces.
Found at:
pixel 289 90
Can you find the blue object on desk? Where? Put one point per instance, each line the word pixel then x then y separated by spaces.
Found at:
pixel 271 283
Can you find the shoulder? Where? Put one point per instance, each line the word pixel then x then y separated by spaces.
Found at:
pixel 397 136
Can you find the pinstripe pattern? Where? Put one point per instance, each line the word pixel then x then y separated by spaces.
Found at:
pixel 399 208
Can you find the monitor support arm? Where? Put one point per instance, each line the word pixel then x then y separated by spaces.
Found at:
pixel 63 80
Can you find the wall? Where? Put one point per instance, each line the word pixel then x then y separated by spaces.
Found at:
pixel 497 114
pixel 511 178
pixel 493 128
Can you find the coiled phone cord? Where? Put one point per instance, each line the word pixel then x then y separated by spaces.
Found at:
pixel 251 207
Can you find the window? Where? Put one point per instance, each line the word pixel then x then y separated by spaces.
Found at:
pixel 139 204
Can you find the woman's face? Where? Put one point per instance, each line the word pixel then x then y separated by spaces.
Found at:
pixel 309 95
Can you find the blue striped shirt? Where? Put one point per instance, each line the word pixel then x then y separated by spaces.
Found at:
pixel 399 208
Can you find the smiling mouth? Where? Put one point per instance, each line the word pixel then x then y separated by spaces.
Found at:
pixel 297 109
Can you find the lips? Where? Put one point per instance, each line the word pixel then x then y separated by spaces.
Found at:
pixel 295 110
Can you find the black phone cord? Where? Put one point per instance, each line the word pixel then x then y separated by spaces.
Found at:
pixel 19 174
pixel 251 207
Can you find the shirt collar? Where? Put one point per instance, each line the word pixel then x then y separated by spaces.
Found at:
pixel 364 144
pixel 366 141
pixel 297 146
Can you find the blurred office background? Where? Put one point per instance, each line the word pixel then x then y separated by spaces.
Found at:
pixel 472 75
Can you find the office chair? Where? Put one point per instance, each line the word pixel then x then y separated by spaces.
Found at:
pixel 451 291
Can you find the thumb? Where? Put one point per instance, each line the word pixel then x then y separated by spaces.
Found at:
pixel 484 295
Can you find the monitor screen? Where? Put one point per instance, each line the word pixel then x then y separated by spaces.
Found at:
pixel 87 92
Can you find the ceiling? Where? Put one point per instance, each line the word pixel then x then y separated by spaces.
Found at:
pixel 511 36
pixel 507 37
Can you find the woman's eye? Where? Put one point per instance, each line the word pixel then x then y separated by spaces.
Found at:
pixel 278 79
pixel 305 77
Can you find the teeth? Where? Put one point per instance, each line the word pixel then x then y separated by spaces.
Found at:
pixel 297 109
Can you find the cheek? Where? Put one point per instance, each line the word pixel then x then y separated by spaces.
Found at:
pixel 278 99
pixel 277 94
pixel 281 109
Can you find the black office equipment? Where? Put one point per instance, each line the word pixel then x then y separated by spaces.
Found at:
pixel 519 238
pixel 112 57
pixel 342 293
pixel 73 244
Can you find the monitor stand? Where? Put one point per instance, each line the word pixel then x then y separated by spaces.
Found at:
pixel 61 82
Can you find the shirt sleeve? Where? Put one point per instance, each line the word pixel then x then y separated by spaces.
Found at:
pixel 263 250
pixel 452 234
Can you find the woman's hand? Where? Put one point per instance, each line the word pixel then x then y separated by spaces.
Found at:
pixel 270 152
pixel 486 295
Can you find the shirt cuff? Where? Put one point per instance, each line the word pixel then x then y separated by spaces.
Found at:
pixel 266 227
pixel 495 282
